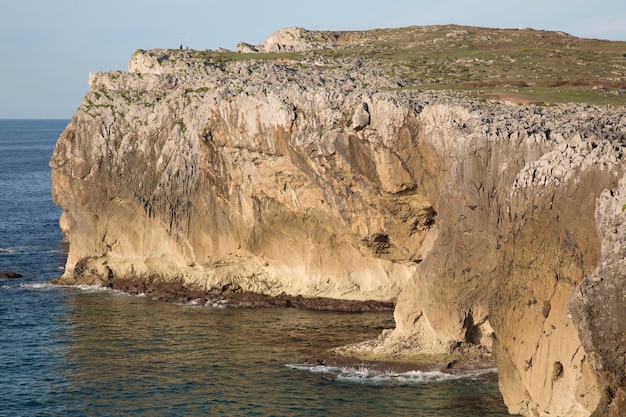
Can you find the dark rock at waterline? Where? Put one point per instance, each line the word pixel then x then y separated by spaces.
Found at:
pixel 10 274
pixel 233 297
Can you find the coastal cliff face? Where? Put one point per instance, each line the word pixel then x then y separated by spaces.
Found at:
pixel 496 228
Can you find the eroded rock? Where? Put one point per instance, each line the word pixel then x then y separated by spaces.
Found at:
pixel 478 219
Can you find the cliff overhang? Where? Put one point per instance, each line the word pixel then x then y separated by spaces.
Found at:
pixel 497 229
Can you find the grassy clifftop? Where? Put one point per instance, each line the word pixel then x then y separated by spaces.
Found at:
pixel 520 65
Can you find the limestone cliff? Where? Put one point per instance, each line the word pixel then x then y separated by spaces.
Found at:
pixel 480 219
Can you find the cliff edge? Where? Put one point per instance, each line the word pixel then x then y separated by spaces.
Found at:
pixel 497 229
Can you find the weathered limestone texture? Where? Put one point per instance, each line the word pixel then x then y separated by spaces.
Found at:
pixel 481 219
pixel 598 304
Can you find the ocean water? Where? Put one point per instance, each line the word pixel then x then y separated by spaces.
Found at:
pixel 86 351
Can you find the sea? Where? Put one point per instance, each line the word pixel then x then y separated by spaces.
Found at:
pixel 89 351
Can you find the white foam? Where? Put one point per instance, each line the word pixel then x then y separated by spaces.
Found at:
pixel 199 302
pixel 9 250
pixel 217 303
pixel 38 286
pixel 50 286
pixel 91 288
pixel 364 375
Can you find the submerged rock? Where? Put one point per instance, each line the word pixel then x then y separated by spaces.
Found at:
pixel 479 220
pixel 10 274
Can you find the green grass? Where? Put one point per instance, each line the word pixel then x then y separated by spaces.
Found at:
pixel 181 124
pixel 553 66
pixel 216 57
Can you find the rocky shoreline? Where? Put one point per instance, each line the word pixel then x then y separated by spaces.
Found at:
pixel 232 297
pixel 268 181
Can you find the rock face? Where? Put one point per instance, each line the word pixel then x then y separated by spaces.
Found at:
pixel 481 220
pixel 597 305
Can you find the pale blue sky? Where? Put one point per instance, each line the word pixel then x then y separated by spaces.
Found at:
pixel 49 47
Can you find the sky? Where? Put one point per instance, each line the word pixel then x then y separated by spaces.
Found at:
pixel 49 47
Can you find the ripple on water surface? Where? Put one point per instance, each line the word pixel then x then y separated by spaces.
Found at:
pixel 113 354
pixel 88 351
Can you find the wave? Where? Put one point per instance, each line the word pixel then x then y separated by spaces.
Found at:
pixel 38 286
pixel 97 288
pixel 202 302
pixel 90 288
pixel 81 288
pixel 367 376
pixel 10 250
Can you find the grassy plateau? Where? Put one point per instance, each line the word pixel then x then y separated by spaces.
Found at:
pixel 517 65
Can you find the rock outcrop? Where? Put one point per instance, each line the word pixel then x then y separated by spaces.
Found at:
pixel 481 220
pixel 9 274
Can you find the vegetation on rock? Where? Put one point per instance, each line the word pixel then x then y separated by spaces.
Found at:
pixel 518 65
pixel 376 165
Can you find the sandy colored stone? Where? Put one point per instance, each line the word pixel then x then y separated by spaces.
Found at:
pixel 480 220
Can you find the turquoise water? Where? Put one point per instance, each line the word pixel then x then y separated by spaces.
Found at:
pixel 92 352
